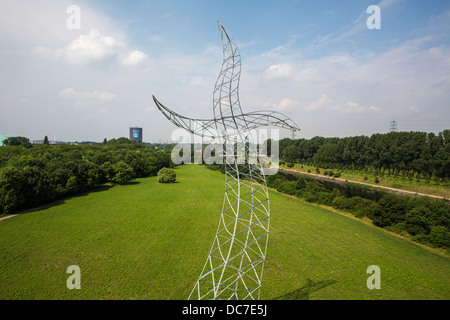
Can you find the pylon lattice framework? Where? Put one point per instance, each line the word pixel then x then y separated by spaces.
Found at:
pixel 393 127
pixel 235 263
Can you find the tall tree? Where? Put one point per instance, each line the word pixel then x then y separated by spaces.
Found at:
pixel 18 141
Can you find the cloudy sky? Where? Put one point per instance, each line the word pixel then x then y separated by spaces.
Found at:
pixel 316 61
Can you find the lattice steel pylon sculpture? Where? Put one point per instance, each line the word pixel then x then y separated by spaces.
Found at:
pixel 234 267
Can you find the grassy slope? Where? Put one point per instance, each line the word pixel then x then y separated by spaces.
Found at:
pixel 149 241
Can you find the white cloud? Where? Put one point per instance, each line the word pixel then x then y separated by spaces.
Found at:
pixel 413 109
pixel 354 107
pixel 323 102
pixel 278 71
pixel 92 48
pixel 135 58
pixel 285 104
pixel 82 98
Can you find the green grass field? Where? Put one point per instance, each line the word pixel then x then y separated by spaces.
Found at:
pixel 147 240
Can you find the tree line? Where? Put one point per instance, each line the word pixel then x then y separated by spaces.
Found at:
pixel 35 175
pixel 410 154
pixel 423 219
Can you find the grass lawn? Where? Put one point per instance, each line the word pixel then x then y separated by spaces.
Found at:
pixel 147 240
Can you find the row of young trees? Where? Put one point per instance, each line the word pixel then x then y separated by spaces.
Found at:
pixel 406 153
pixel 425 220
pixel 35 175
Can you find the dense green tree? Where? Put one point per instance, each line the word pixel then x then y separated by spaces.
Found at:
pixel 11 196
pixel 18 141
pixel 418 220
pixel 122 172
pixel 290 153
pixel 439 237
pixel 394 210
pixel 288 187
pixel 328 155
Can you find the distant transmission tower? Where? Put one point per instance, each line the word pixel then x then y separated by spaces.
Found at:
pixel 393 126
pixel 293 134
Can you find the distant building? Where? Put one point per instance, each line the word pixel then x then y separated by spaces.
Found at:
pixel 136 134
pixel 50 142
pixel 34 142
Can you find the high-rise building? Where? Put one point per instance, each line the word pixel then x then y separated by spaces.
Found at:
pixel 136 134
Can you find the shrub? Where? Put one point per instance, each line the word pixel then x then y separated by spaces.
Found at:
pixel 373 209
pixel 393 210
pixel 337 174
pixel 290 165
pixel 288 187
pixel 439 236
pixel 422 238
pixel 166 175
pixel 340 203
pixel 417 221
pixel 301 183
pixel 399 228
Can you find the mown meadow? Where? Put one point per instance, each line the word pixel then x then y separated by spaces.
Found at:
pixel 146 240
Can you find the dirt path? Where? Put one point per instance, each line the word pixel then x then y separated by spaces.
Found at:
pixel 342 181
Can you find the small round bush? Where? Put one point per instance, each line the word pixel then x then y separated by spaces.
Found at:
pixel 166 175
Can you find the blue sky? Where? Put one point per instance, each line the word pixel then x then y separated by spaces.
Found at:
pixel 315 61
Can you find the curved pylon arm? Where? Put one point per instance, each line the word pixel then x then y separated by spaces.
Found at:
pixel 269 119
pixel 200 127
pixel 207 128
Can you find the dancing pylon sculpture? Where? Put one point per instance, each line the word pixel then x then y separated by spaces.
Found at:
pixel 234 267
